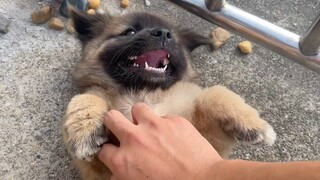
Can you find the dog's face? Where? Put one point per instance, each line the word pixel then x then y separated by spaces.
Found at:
pixel 136 50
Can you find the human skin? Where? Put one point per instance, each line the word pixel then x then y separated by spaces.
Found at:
pixel 156 147
pixel 170 147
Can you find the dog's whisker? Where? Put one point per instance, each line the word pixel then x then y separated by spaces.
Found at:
pixel 118 53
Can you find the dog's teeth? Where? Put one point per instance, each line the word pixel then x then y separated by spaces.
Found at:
pixel 135 65
pixel 132 58
pixel 165 61
pixel 168 55
pixel 165 67
pixel 150 68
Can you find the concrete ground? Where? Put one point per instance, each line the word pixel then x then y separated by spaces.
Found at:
pixel 36 85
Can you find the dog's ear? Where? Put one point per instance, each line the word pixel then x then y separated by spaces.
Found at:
pixel 86 25
pixel 193 40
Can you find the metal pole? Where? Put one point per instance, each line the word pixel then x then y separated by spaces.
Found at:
pixel 279 40
pixel 310 42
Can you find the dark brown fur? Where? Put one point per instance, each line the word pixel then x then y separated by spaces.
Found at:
pixel 220 115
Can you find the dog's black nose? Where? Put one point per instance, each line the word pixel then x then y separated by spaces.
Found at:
pixel 161 34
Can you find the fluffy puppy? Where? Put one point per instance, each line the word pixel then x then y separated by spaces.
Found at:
pixel 139 57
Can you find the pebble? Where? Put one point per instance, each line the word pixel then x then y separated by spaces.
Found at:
pixel 91 11
pixel 38 156
pixel 82 5
pixel 38 135
pixel 124 3
pixel 100 11
pixel 4 25
pixel 56 24
pixel 147 2
pixel 41 15
pixel 94 4
pixel 69 26
pixel 219 37
pixel 245 47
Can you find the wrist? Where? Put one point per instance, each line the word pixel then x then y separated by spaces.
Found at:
pixel 214 170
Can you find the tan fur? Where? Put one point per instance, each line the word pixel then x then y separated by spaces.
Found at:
pixel 216 112
pixel 220 115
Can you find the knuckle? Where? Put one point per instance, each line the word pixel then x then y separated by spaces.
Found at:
pixel 134 137
pixel 130 134
pixel 154 124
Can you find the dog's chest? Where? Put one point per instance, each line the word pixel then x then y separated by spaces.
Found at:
pixel 125 102
pixel 178 100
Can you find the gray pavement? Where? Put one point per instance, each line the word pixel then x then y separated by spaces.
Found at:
pixel 36 85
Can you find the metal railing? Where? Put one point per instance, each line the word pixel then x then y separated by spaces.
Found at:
pixel 302 49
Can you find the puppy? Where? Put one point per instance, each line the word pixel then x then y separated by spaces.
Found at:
pixel 139 57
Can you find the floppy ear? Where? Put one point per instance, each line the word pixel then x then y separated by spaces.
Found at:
pixel 193 40
pixel 88 26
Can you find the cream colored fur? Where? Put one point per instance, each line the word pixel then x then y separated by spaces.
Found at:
pixel 219 114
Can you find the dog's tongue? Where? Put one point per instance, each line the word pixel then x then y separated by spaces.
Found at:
pixel 153 58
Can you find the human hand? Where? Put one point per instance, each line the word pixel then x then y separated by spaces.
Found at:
pixel 156 147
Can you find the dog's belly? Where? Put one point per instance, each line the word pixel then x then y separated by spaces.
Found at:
pixel 178 100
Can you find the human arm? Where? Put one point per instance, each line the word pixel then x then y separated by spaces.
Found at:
pixel 156 147
pixel 171 148
pixel 241 169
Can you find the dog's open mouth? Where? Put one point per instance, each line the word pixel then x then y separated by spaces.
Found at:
pixel 155 61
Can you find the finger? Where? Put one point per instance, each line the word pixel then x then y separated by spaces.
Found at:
pixel 107 152
pixel 118 124
pixel 141 113
pixel 169 116
pixel 174 118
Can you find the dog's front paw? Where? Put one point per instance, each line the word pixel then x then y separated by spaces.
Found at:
pixel 261 133
pixel 84 132
pixel 84 143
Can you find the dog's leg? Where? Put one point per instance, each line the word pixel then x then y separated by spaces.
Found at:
pixel 84 132
pixel 222 117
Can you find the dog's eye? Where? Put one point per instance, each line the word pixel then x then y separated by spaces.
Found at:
pixel 129 32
